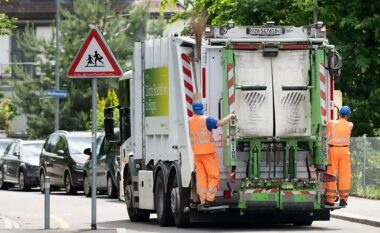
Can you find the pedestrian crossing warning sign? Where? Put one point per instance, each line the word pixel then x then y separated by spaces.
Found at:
pixel 94 59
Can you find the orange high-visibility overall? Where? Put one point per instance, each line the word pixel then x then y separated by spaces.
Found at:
pixel 205 158
pixel 339 132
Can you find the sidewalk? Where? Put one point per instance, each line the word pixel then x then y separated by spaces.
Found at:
pixel 360 210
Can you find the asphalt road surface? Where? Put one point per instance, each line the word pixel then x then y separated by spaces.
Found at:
pixel 24 212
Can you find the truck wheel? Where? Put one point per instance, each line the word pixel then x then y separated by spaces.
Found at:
pixel 162 202
pixel 22 181
pixel 179 201
pixel 111 188
pixel 135 215
pixel 87 186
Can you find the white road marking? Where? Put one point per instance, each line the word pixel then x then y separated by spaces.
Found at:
pixel 9 223
pixel 121 230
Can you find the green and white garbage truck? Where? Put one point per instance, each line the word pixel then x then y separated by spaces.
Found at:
pixel 279 80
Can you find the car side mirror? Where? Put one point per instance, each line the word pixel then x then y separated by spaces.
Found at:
pixel 61 152
pixel 17 154
pixel 87 151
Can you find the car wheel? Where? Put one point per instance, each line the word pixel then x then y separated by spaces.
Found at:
pixel 42 182
pixel 111 188
pixel 3 185
pixel 87 186
pixel 69 188
pixel 22 181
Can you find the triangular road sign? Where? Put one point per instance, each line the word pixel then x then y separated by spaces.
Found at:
pixel 94 59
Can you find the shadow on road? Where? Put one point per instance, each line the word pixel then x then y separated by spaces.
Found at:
pixel 152 226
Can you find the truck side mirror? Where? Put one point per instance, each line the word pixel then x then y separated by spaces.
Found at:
pixel 108 128
pixel 87 151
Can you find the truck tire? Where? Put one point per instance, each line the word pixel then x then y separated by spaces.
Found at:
pixel 111 187
pixel 179 198
pixel 135 215
pixel 162 202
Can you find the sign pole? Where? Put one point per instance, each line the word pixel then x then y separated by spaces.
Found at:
pixel 94 60
pixel 93 190
pixel 56 113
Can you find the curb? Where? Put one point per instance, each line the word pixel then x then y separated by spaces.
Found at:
pixel 373 223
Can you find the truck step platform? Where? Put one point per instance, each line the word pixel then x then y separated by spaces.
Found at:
pixel 213 208
pixel 334 207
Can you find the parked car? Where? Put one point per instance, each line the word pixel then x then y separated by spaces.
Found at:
pixel 62 159
pixel 4 142
pixel 107 168
pixel 20 164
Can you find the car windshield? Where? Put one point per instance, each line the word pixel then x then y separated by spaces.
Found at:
pixel 78 144
pixel 32 149
pixel 3 146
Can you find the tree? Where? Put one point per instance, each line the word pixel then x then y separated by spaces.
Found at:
pixel 120 29
pixel 109 101
pixel 7 25
pixel 7 113
pixel 352 25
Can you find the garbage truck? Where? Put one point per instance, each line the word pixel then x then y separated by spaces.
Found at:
pixel 278 80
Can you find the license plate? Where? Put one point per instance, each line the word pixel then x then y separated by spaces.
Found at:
pixel 265 31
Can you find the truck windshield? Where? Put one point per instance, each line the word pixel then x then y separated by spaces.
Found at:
pixel 78 144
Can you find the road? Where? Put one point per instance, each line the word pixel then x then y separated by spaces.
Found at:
pixel 24 210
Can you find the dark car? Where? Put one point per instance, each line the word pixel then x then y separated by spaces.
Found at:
pixel 62 159
pixel 20 164
pixel 107 168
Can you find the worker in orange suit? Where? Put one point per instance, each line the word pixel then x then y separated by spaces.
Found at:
pixel 339 132
pixel 205 157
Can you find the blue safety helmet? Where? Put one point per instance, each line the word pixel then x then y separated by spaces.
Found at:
pixel 198 107
pixel 345 111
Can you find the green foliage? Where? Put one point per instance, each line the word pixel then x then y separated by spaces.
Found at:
pixel 110 100
pixel 7 25
pixel 120 29
pixel 156 27
pixel 7 112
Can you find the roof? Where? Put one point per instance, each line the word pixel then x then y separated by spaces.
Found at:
pixel 74 133
pixel 32 142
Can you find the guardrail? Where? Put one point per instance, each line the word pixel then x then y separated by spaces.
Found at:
pixel 365 166
pixel 6 74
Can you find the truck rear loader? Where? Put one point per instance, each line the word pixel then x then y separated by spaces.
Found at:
pixel 279 80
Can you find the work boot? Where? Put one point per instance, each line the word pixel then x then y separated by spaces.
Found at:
pixel 328 203
pixel 342 203
pixel 209 204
